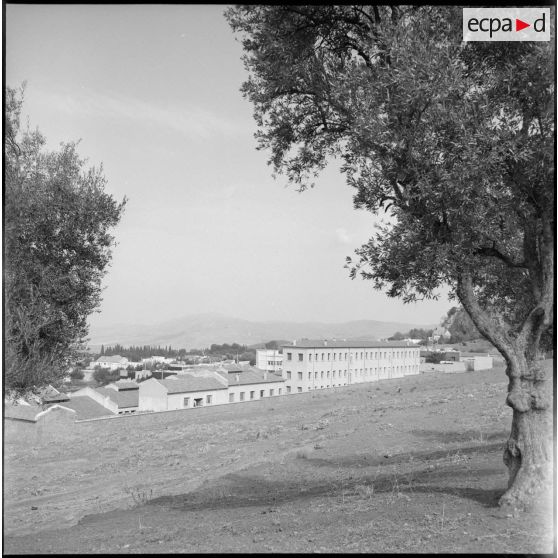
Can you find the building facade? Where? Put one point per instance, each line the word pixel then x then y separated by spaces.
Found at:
pixel 182 392
pixel 321 364
pixel 269 359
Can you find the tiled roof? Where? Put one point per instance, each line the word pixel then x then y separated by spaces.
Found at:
pixel 55 398
pixel 86 408
pixel 252 376
pixel 330 344
pixel 126 385
pixel 187 383
pixel 124 399
pixel 232 367
pixel 22 412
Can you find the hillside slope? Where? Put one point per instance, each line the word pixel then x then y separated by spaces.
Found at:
pixel 201 330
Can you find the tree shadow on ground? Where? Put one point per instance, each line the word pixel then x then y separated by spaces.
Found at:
pixel 446 437
pixel 360 461
pixel 245 489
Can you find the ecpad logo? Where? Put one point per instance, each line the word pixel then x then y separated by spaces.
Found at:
pixel 506 24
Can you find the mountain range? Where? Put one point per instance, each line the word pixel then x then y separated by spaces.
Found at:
pixel 201 330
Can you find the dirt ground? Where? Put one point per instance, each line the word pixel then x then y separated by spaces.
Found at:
pixel 407 465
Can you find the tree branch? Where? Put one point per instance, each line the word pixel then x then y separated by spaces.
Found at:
pixel 493 331
pixel 494 252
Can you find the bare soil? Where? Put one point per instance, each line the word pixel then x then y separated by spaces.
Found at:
pixel 407 465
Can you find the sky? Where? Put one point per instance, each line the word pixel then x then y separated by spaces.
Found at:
pixel 152 92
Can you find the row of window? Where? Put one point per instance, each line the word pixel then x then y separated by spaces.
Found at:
pixel 343 373
pixel 252 395
pixel 363 355
pixel 299 389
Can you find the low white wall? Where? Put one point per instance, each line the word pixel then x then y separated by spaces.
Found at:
pixel 448 368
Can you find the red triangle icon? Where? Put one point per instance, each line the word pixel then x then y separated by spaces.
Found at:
pixel 519 25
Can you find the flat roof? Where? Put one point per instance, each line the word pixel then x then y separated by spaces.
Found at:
pixel 341 344
pixel 252 376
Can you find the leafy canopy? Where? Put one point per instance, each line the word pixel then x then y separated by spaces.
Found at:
pixel 455 141
pixel 57 219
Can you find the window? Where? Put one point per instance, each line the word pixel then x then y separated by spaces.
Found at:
pixel 186 402
pixel 231 397
pixel 252 394
pixel 208 399
pixel 328 373
pixel 300 375
pixel 316 374
pixel 270 392
pixel 288 389
pixel 334 355
pixel 309 375
pixel 262 393
pixel 300 357
pixel 242 396
pixel 322 356
pixel 322 374
pixel 299 389
pixel 345 356
pixel 328 355
pixel 289 356
pixel 198 402
pixel 310 357
pixel 288 375
pixel 279 391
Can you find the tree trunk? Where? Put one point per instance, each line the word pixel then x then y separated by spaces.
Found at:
pixel 529 451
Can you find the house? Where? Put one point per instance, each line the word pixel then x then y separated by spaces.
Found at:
pixel 440 334
pixel 183 391
pixel 86 408
pixel 249 383
pixel 318 364
pixel 113 362
pixel 269 359
pixel 30 424
pixel 121 397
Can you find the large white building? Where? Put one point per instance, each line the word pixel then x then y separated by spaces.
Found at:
pixel 319 364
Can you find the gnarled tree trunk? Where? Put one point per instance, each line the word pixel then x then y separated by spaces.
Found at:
pixel 529 450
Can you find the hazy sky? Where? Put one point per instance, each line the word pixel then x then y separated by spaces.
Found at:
pixel 153 93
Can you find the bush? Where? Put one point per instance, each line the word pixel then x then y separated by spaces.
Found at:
pixel 77 374
pixel 103 376
pixel 434 358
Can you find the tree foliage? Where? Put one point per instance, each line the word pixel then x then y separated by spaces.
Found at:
pixel 57 219
pixel 453 140
pixel 460 325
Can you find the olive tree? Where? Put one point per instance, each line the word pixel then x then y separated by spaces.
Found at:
pixel 57 246
pixel 455 142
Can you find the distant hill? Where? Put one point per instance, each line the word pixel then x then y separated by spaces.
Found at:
pixel 201 330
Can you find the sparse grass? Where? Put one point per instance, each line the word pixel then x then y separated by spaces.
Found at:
pixel 140 496
pixel 432 494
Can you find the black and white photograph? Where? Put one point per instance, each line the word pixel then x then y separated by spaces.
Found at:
pixel 279 278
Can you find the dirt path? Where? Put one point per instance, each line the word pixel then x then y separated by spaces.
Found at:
pixel 359 469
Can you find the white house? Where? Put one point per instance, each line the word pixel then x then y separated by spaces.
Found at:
pixel 182 392
pixel 269 359
pixel 121 397
pixel 319 364
pixel 113 362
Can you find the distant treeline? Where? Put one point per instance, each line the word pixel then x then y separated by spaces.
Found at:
pixel 135 354
pixel 415 333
